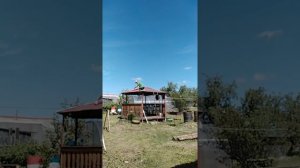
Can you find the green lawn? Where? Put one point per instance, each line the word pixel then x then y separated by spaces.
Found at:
pixel 147 145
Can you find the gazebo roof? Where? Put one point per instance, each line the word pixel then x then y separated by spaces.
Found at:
pixel 145 91
pixel 90 110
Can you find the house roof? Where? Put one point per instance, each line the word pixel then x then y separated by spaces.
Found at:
pixel 145 91
pixel 90 110
pixel 46 122
pixel 110 95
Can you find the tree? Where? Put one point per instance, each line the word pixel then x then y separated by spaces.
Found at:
pixel 254 100
pixel 171 88
pixel 182 96
pixel 55 135
pixel 291 106
pixel 218 94
pixel 245 140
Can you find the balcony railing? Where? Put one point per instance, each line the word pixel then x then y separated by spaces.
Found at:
pixel 81 157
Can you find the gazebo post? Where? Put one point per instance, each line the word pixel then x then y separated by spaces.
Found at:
pixel 76 130
pixel 144 112
pixel 142 106
pixel 161 104
pixel 62 132
pixel 164 108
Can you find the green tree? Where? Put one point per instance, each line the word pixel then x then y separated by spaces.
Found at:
pixel 218 94
pixel 171 88
pixel 291 106
pixel 183 96
pixel 245 140
pixel 254 100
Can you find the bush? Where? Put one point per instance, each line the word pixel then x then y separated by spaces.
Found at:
pixel 17 154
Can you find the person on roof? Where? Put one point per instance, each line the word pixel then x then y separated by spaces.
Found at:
pixel 139 85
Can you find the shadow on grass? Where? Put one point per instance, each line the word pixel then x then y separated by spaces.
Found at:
pixel 187 165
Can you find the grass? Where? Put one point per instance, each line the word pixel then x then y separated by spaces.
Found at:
pixel 287 161
pixel 147 145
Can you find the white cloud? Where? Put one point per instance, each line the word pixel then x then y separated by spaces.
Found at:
pixel 184 82
pixel 187 68
pixel 3 45
pixel 187 49
pixel 260 77
pixel 137 79
pixel 269 34
pixel 11 52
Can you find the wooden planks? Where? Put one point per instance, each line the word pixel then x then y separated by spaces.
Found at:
pixel 81 157
pixel 186 137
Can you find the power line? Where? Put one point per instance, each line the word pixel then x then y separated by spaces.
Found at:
pixel 185 98
pixel 28 107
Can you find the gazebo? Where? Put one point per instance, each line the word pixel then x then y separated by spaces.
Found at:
pixel 145 103
pixel 76 154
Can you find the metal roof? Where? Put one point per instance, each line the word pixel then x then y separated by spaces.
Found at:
pixel 90 110
pixel 46 122
pixel 146 90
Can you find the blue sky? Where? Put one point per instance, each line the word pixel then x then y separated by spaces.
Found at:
pixel 253 42
pixel 152 40
pixel 49 51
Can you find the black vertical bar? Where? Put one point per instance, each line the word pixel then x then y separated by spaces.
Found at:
pixel 76 130
pixel 63 129
pixel 17 135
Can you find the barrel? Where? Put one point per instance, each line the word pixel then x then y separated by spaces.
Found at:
pixel 54 162
pixel 34 161
pixel 187 116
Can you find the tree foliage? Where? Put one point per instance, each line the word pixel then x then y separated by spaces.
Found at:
pixel 252 124
pixel 218 94
pixel 183 96
pixel 17 154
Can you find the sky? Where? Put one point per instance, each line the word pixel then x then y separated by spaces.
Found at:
pixel 255 43
pixel 154 41
pixel 49 51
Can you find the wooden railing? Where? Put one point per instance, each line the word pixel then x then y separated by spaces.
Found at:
pixel 134 108
pixel 81 157
pixel 137 109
